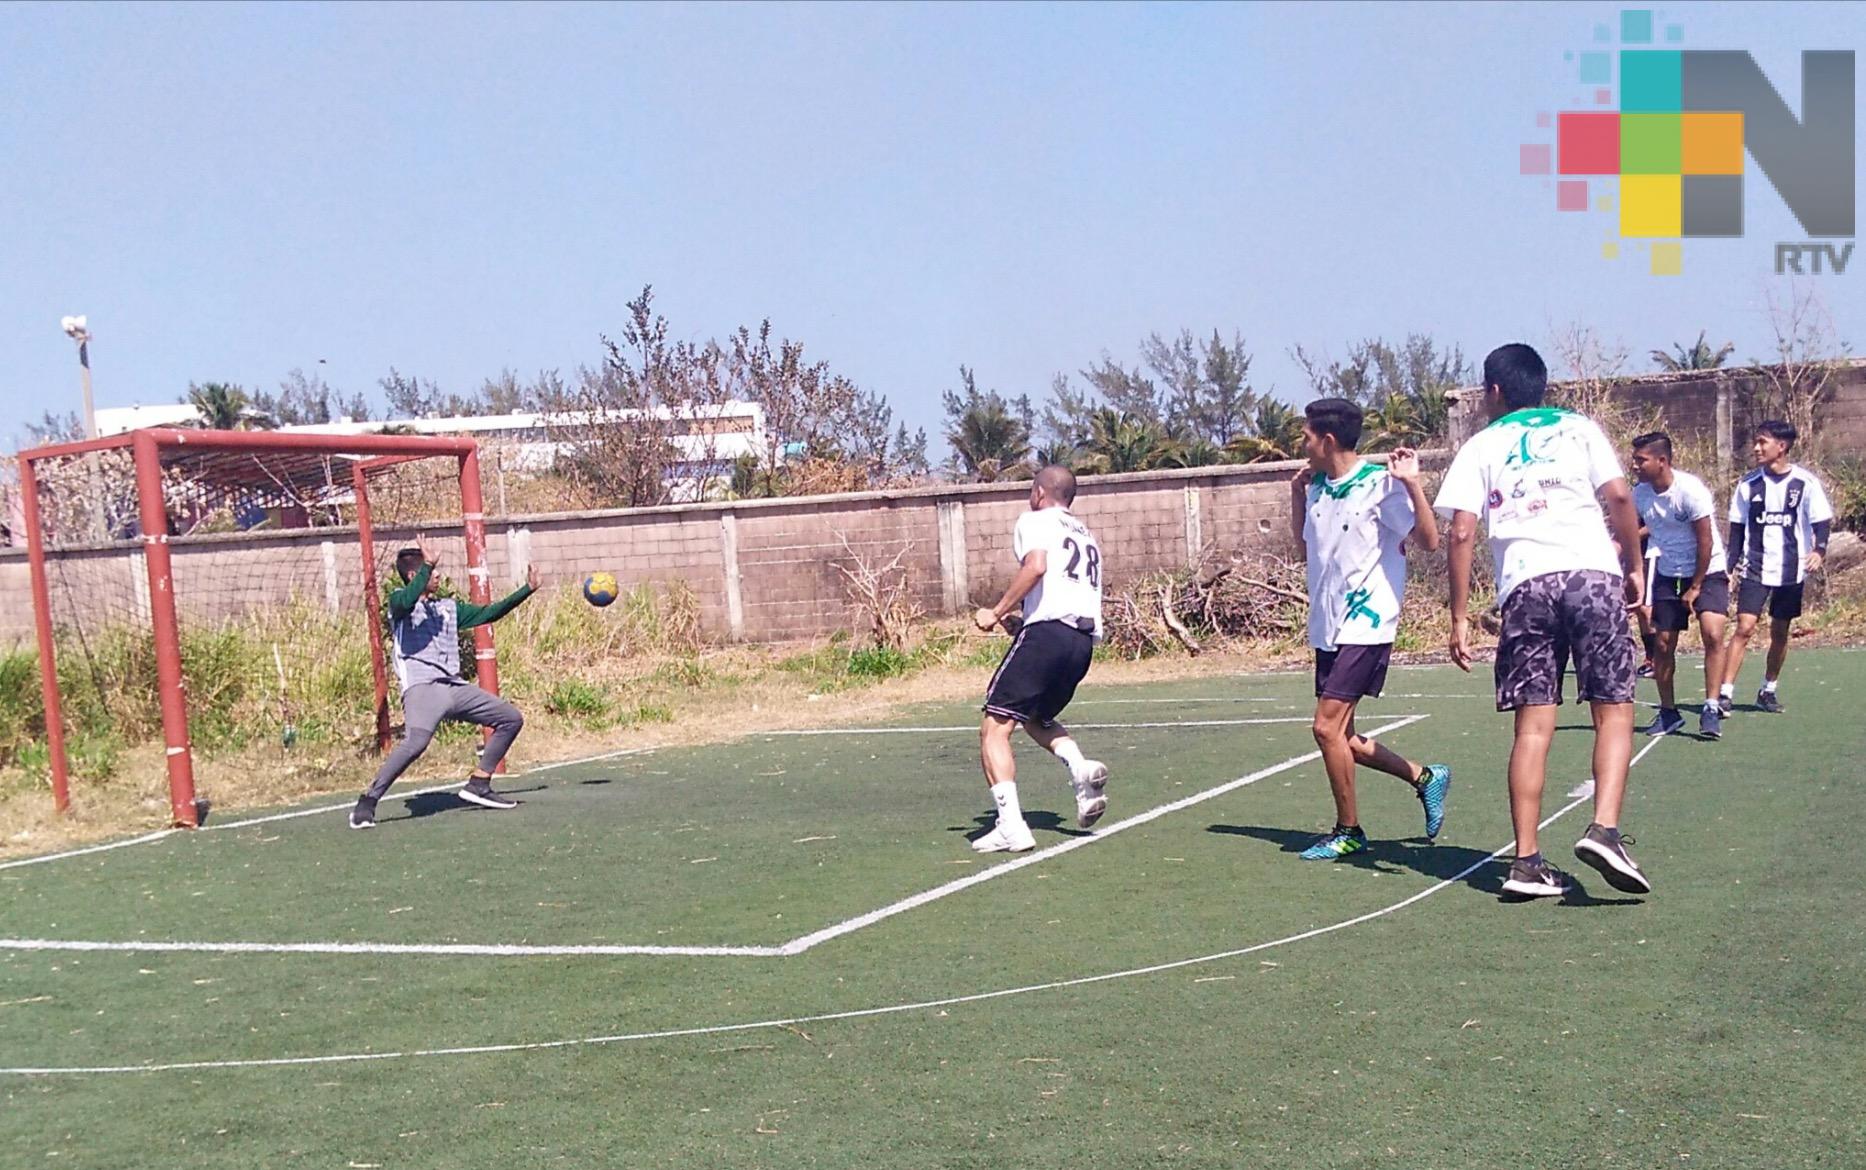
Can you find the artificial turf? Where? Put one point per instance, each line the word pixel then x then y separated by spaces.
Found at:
pixel 1715 1023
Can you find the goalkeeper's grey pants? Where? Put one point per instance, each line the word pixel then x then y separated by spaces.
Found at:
pixel 426 705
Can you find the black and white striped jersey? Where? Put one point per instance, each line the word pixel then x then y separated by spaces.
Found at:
pixel 1778 514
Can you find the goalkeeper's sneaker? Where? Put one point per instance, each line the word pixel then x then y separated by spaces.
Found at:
pixel 1605 850
pixel 1336 845
pixel 1434 786
pixel 1091 801
pixel 1014 839
pixel 480 792
pixel 1536 879
pixel 363 816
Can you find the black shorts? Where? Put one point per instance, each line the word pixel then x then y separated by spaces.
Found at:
pixel 1666 597
pixel 1558 618
pixel 1352 672
pixel 1040 672
pixel 1784 600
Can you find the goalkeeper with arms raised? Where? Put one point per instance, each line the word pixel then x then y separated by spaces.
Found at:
pixel 427 659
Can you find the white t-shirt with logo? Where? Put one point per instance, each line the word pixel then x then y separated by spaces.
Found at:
pixel 1071 585
pixel 1355 530
pixel 1670 516
pixel 1531 476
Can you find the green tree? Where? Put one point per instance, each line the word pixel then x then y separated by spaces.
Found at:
pixel 1405 388
pixel 222 406
pixel 1123 441
pixel 1276 434
pixel 989 435
pixel 1700 356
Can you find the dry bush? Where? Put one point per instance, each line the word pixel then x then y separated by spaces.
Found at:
pixel 1227 598
pixel 878 593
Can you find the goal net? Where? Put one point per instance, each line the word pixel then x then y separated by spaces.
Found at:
pixel 214 600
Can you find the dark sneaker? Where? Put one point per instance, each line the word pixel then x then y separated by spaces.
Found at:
pixel 1766 701
pixel 1605 850
pixel 1536 879
pixel 1645 669
pixel 1433 788
pixel 480 792
pixel 1726 706
pixel 1710 722
pixel 1669 720
pixel 363 816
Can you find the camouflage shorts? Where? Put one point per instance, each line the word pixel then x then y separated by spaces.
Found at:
pixel 1556 618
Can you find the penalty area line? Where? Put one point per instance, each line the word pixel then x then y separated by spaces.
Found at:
pixel 824 1018
pixel 796 946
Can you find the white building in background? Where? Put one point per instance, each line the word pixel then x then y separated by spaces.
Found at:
pixel 709 439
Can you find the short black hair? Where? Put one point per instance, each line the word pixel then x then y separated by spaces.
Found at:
pixel 1517 370
pixel 1659 441
pixel 1058 482
pixel 1777 428
pixel 1337 417
pixel 408 562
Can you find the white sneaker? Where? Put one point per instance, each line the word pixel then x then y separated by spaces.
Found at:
pixel 1000 840
pixel 1090 802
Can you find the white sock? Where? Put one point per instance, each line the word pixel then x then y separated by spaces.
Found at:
pixel 1070 753
pixel 1727 690
pixel 1768 686
pixel 1010 813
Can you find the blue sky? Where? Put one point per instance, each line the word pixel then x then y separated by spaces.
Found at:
pixel 230 192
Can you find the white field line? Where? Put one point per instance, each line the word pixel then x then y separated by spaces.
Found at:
pixel 825 1018
pixel 488 950
pixel 1288 700
pixel 973 727
pixel 796 946
pixel 287 816
pixel 142 840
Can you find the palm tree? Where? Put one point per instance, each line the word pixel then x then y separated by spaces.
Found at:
pixel 1279 436
pixel 1699 357
pixel 1120 441
pixel 991 442
pixel 222 407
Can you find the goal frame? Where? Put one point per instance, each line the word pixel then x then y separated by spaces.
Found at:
pixel 153 449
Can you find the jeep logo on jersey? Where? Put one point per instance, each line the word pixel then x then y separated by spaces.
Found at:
pixel 1686 119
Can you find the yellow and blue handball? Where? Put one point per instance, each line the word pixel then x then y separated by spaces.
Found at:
pixel 599 589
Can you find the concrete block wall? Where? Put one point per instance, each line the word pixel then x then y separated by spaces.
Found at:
pixel 763 570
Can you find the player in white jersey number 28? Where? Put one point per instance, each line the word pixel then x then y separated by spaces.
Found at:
pixel 1058 585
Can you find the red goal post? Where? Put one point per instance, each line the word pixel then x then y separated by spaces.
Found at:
pixel 127 496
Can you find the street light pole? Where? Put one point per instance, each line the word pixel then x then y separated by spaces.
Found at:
pixel 77 328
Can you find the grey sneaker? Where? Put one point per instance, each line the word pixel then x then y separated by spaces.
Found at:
pixel 1605 850
pixel 1725 705
pixel 1536 879
pixel 1767 701
pixel 363 816
pixel 480 792
pixel 1669 720
pixel 1710 722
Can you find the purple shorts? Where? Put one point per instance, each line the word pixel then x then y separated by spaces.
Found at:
pixel 1352 672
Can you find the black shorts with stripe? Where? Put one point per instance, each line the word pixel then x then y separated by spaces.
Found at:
pixel 1666 598
pixel 1040 672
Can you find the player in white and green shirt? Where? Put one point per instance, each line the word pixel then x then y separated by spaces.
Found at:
pixel 1352 518
pixel 1548 486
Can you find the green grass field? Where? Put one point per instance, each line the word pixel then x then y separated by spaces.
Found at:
pixel 1151 997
